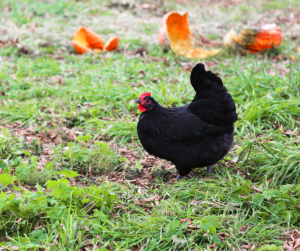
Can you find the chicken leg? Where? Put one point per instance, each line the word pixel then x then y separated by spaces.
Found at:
pixel 179 177
pixel 209 169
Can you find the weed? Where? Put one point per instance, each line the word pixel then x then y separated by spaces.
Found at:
pixel 37 177
pixel 95 159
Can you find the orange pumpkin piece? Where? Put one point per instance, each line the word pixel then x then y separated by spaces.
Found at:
pixel 175 32
pixel 85 39
pixel 254 39
pixel 112 44
pixel 80 48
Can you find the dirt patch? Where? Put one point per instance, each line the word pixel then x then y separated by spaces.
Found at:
pixel 144 175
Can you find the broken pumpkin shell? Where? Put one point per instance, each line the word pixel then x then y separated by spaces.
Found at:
pixel 253 39
pixel 112 44
pixel 175 32
pixel 85 39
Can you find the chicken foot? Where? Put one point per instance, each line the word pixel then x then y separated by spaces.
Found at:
pixel 179 177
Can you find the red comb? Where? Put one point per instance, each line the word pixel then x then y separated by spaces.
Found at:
pixel 144 95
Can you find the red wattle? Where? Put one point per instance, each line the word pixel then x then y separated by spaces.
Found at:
pixel 142 108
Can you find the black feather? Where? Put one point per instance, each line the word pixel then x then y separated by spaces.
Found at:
pixel 195 135
pixel 212 102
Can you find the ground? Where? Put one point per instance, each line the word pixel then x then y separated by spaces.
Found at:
pixel 73 175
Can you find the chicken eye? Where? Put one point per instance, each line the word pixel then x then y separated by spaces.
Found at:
pixel 148 101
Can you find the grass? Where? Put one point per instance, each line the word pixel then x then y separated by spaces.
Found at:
pixel 60 197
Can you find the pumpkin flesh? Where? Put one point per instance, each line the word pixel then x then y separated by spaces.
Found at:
pixel 175 32
pixel 85 39
pixel 253 39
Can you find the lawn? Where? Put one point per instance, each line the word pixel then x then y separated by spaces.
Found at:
pixel 73 175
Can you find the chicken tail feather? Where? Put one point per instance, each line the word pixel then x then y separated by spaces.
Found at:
pixel 212 101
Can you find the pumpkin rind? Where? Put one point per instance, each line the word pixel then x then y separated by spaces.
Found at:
pixel 80 49
pixel 253 39
pixel 85 39
pixel 175 32
pixel 162 33
pixel 112 44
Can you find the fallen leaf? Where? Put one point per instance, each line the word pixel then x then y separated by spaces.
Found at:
pixel 256 189
pixel 223 236
pixel 52 134
pixel 142 72
pixel 88 104
pixel 190 226
pixel 58 79
pixel 186 66
pixel 281 128
pixel 51 110
pixel 109 247
pixel 169 212
pixel 150 161
pixel 293 241
pixel 71 134
pixel 59 57
pixel 10 247
pixel 288 132
pixel 155 197
pixel 296 234
pixel 32 27
pixel 142 205
pixel 186 220
pixel 47 44
pixel 194 202
pixel 7 9
pixel 170 167
pixel 141 51
pixel 118 207
pixel 19 220
pixel 140 191
pixel 249 247
pixel 213 246
pixel 242 229
pixel 55 239
pixel 24 50
pixel 43 108
pixel 272 72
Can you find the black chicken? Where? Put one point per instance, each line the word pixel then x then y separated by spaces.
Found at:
pixel 194 135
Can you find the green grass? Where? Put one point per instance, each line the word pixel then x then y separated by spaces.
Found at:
pixel 60 197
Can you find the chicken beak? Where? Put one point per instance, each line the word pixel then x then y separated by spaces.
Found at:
pixel 138 101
